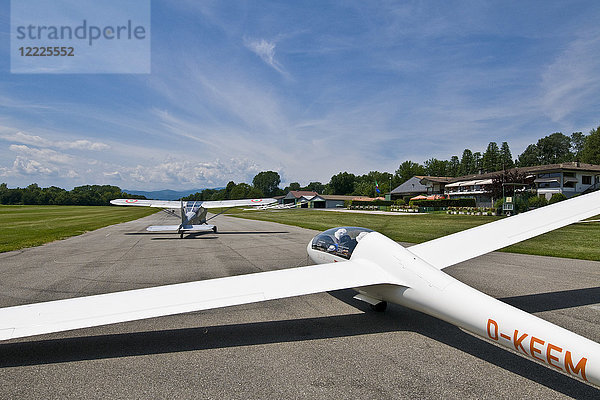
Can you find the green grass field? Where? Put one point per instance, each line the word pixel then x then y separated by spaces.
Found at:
pixel 579 241
pixel 26 226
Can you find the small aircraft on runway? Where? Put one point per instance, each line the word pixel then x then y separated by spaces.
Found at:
pixel 379 269
pixel 193 213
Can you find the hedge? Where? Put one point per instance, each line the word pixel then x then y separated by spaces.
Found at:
pixel 371 203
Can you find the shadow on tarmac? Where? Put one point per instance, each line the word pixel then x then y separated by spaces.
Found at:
pixel 202 234
pixel 395 319
pixel 555 300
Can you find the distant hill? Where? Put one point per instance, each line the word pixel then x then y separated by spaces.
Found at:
pixel 163 194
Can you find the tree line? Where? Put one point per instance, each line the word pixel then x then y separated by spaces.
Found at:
pixel 266 184
pixel 88 195
pixel 552 149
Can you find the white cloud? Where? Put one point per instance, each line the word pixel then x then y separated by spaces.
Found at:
pixel 83 145
pixel 80 144
pixel 185 173
pixel 44 155
pixel 23 165
pixel 39 163
pixel 266 51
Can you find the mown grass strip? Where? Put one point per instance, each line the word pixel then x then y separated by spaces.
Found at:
pixel 27 226
pixel 580 241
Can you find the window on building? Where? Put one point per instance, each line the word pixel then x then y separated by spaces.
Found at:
pixel 549 175
pixel 586 179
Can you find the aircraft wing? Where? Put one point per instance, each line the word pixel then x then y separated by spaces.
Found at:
pixel 462 246
pixel 147 203
pixel 83 312
pixel 237 203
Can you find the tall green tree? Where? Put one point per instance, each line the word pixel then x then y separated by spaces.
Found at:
pixel 240 191
pixel 407 170
pixel 292 186
pixel 529 157
pixel 453 166
pixel 555 148
pixel 591 149
pixel 363 188
pixel 478 162
pixel 315 187
pixel 342 183
pixel 228 189
pixel 491 158
pixel 32 194
pixel 365 185
pixel 254 193
pixel 577 144
pixel 268 182
pixel 467 163
pixel 506 160
pixel 435 167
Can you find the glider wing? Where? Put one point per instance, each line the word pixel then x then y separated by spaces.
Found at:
pixel 82 312
pixel 147 203
pixel 237 203
pixel 462 246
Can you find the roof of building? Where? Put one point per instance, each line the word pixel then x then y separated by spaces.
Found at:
pixel 411 186
pixel 296 194
pixel 568 166
pixel 336 197
pixel 341 197
pixel 437 179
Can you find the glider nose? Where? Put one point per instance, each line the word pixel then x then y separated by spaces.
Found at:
pixel 335 244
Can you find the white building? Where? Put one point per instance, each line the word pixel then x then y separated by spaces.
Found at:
pixel 569 178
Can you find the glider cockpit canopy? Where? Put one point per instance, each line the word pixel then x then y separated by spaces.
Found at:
pixel 339 241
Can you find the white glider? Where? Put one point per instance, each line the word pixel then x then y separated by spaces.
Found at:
pixel 193 213
pixel 379 269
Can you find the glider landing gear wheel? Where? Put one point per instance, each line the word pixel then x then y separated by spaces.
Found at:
pixel 214 229
pixel 181 235
pixel 379 307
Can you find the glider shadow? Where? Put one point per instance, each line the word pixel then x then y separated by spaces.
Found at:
pixel 395 319
pixel 555 300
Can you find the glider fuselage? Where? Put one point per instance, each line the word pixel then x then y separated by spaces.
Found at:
pixel 427 289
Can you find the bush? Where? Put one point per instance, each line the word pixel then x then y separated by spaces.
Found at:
pixel 556 197
pixel 498 206
pixel 521 204
pixel 537 201
pixel 399 202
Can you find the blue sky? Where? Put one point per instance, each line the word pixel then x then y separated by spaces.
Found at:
pixel 306 88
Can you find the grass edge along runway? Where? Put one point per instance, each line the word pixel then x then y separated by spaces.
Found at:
pixel 578 241
pixel 24 226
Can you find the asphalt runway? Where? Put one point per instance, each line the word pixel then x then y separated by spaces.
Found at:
pixel 319 346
